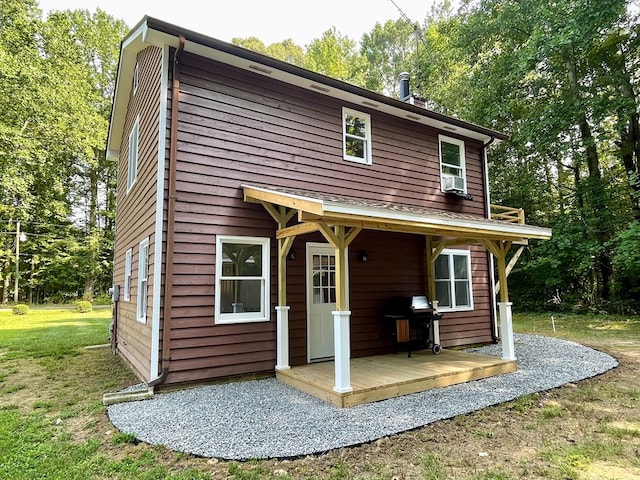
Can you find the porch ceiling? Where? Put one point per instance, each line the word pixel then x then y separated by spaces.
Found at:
pixel 320 208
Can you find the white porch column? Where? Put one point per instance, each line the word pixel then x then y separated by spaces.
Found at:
pixel 342 351
pixel 436 324
pixel 506 331
pixel 282 337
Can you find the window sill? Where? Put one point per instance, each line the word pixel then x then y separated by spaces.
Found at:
pixel 232 321
pixel 454 310
pixel 361 161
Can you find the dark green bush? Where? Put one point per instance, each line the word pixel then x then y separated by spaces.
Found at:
pixel 103 299
pixel 20 309
pixel 83 306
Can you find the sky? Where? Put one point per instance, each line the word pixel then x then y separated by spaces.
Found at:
pixel 269 20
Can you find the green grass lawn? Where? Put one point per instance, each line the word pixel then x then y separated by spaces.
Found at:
pixel 52 333
pixel 623 332
pixel 53 424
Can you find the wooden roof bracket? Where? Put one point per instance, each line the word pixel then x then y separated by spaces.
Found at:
pixel 511 264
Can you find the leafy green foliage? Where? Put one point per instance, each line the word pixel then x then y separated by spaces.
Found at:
pixel 287 50
pixel 336 56
pixel 556 78
pixel 626 259
pixel 389 49
pixel 57 81
pixel 83 306
pixel 20 309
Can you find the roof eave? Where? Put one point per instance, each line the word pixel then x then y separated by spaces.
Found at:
pixel 133 43
pixel 151 31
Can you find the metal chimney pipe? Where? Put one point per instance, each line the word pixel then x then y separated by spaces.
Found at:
pixel 403 83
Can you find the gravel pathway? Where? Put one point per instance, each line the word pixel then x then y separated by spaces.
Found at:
pixel 266 419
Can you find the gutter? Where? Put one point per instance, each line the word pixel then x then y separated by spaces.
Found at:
pixel 492 277
pixel 171 213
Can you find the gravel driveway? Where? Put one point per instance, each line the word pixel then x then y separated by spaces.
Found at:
pixel 266 419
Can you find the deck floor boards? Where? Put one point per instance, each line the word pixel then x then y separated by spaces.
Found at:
pixel 386 376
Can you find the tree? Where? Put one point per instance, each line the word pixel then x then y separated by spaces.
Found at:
pixel 554 77
pixel 287 50
pixel 56 84
pixel 84 48
pixel 336 56
pixel 389 49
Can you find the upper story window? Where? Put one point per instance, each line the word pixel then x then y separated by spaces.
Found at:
pixel 127 274
pixel 356 136
pixel 143 271
pixel 132 170
pixel 453 280
pixel 452 168
pixel 242 279
pixel 136 78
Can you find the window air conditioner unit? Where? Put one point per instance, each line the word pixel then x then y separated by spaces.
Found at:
pixel 453 184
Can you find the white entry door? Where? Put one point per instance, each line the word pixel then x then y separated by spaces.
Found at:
pixel 321 300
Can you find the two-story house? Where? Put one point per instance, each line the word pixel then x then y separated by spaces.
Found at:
pixel 266 214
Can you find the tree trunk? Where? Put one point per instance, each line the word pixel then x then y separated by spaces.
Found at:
pixel 89 280
pixel 6 281
pixel 629 128
pixel 596 196
pixel 629 142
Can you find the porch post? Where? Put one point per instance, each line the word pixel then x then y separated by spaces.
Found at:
pixel 341 319
pixel 433 252
pixel 499 249
pixel 340 239
pixel 506 331
pixel 342 351
pixel 282 216
pixel 436 324
pixel 282 335
pixel 282 310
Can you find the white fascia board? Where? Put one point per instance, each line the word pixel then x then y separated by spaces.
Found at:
pixel 525 231
pixel 156 37
pixel 112 155
pixel 128 52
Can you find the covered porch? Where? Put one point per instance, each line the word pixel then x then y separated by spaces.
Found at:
pixel 386 376
pixel 340 219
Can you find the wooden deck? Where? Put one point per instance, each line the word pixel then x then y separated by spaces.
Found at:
pixel 386 376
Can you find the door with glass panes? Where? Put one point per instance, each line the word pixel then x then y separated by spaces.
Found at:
pixel 321 300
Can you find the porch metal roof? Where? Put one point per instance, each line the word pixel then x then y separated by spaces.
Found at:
pixel 317 207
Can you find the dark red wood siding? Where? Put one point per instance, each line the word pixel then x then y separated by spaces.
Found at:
pixel 237 127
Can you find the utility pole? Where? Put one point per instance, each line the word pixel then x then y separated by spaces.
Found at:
pixel 15 286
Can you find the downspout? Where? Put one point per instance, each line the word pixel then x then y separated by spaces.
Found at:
pixel 492 279
pixel 171 213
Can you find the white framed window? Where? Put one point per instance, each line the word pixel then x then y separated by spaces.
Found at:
pixel 143 272
pixel 127 274
pixel 454 290
pixel 132 170
pixel 136 78
pixel 356 136
pixel 242 279
pixel 452 164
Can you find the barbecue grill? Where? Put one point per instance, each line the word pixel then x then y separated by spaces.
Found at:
pixel 410 321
